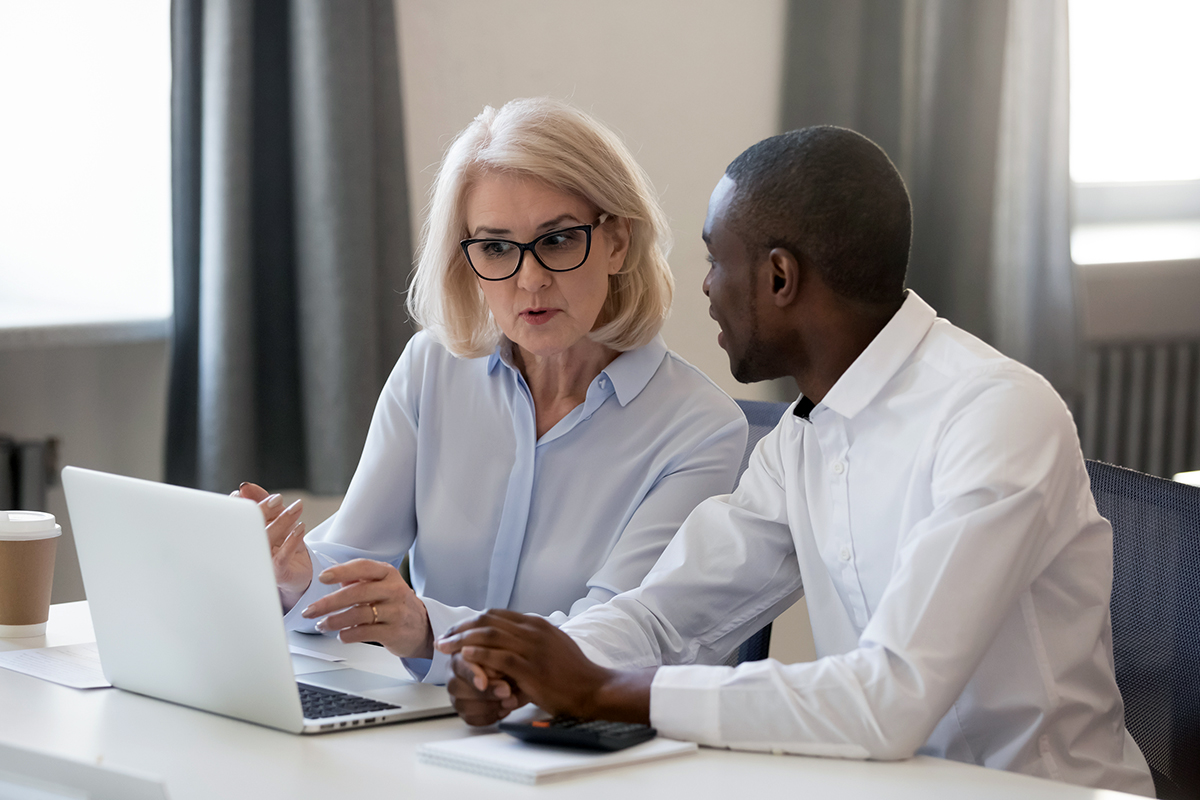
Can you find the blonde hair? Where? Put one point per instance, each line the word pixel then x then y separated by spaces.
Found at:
pixel 568 149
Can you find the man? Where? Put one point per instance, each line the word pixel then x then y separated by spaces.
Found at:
pixel 925 493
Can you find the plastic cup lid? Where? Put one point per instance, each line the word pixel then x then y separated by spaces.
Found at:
pixel 17 525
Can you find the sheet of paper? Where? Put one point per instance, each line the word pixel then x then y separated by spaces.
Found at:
pixel 304 651
pixel 74 665
pixel 78 665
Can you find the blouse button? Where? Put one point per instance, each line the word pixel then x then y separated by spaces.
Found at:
pixel 844 555
pixel 602 383
pixel 838 468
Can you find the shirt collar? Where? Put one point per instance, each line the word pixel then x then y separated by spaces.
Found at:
pixel 883 358
pixel 501 355
pixel 629 372
pixel 633 369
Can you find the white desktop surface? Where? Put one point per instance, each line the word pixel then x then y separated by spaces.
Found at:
pixel 201 755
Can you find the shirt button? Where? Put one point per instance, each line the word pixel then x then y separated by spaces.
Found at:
pixel 602 383
pixel 844 555
pixel 838 468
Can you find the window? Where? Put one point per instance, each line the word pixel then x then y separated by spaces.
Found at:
pixel 85 212
pixel 1135 129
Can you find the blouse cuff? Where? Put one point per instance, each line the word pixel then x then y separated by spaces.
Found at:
pixel 441 618
pixel 292 620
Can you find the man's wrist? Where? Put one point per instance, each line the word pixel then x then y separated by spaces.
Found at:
pixel 623 696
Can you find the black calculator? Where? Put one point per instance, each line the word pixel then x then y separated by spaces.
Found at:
pixel 596 734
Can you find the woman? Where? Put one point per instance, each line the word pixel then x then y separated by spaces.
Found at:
pixel 537 445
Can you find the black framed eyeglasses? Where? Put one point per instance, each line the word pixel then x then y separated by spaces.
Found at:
pixel 558 251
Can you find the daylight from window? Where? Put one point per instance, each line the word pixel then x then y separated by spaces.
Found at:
pixel 1135 90
pixel 1135 125
pixel 85 214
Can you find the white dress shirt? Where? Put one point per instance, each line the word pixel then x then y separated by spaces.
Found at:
pixel 453 473
pixel 935 510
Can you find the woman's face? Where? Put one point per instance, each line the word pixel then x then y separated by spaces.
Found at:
pixel 544 313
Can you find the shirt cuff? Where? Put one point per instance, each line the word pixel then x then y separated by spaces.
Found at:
pixel 418 668
pixel 441 618
pixel 292 620
pixel 684 702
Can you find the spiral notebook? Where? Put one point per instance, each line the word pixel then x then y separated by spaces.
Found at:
pixel 498 755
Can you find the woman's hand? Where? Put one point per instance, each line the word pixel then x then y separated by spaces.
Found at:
pixel 374 605
pixel 285 532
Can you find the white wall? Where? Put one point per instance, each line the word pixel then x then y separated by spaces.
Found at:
pixel 689 84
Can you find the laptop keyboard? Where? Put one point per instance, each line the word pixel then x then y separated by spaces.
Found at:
pixel 324 703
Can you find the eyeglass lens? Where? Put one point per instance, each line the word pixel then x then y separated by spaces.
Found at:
pixel 560 250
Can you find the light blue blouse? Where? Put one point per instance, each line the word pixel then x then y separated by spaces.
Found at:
pixel 453 474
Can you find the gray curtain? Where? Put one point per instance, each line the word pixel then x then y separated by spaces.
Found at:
pixel 291 238
pixel 969 98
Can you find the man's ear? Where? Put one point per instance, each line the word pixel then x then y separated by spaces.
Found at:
pixel 785 276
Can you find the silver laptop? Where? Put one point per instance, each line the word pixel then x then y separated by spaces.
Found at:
pixel 185 609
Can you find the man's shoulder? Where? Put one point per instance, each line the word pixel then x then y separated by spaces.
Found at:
pixel 963 358
pixel 975 375
pixel 957 353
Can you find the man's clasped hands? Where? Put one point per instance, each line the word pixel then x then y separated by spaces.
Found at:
pixel 502 660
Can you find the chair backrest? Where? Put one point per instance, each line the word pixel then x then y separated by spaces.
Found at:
pixel 762 416
pixel 1156 617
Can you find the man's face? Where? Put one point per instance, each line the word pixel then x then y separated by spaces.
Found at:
pixel 732 287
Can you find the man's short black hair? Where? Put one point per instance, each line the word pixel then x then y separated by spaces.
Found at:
pixel 833 198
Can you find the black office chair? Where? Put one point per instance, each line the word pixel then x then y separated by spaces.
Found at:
pixel 762 416
pixel 1156 618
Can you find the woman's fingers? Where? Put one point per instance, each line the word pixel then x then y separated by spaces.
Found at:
pixel 360 569
pixel 252 491
pixel 356 594
pixel 363 582
pixel 270 504
pixel 271 507
pixel 291 545
pixel 280 521
pixel 352 617
pixel 374 604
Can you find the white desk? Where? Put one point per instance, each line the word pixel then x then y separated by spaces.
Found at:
pixel 202 755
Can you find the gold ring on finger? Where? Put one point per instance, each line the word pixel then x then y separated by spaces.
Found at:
pixel 374 615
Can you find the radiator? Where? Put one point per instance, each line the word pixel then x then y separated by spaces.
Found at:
pixel 1141 405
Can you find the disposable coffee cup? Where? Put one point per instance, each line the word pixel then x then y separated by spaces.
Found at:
pixel 28 540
